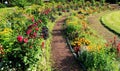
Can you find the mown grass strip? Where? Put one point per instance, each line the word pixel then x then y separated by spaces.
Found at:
pixel 112 21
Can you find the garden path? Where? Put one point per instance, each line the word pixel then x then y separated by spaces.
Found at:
pixel 61 55
pixel 94 22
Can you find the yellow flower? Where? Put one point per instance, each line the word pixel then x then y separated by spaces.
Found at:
pixel 89 48
pixel 99 47
pixel 6 31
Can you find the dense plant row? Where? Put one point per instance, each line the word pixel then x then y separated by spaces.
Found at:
pixel 22 38
pixel 95 53
pixel 23 3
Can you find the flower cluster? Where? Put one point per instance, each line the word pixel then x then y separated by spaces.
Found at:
pixel 33 29
pixel 31 32
pixel 47 11
pixel 78 42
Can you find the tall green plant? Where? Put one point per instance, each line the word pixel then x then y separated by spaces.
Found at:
pixel 93 2
pixel 102 2
pixel 83 2
pixel 39 2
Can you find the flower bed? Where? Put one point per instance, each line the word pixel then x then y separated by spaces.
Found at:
pixel 23 36
pixel 95 53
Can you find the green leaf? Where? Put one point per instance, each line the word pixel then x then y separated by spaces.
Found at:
pixel 25 59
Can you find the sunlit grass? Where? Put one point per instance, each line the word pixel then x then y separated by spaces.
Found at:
pixel 112 21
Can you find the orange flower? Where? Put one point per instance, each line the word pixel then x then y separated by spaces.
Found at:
pixel 106 44
pixel 43 44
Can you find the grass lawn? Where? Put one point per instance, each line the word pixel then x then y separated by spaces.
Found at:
pixel 112 21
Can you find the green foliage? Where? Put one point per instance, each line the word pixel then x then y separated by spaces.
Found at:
pixel 93 2
pixel 19 3
pixel 39 2
pixel 103 60
pixel 2 5
pixel 72 29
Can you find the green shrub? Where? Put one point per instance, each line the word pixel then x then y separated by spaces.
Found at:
pixel 19 3
pixel 98 61
pixel 2 5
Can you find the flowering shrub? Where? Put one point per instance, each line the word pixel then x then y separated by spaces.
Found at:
pixel 22 44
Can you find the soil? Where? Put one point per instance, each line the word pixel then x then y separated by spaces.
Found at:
pixel 61 55
pixel 94 22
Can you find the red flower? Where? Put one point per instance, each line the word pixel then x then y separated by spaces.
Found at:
pixel 36 28
pixel 31 36
pixel 28 32
pixel 20 38
pixel 43 44
pixel 118 47
pixel 115 38
pixel 34 34
pixel 111 41
pixel 118 44
pixel 40 21
pixel 106 44
pixel 25 40
pixel 33 20
pixel 35 24
pixel 30 27
pixel 76 49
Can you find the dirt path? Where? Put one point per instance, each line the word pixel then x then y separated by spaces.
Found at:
pixel 61 55
pixel 101 30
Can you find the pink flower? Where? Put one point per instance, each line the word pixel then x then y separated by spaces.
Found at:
pixel 25 40
pixel 36 28
pixel 20 38
pixel 35 24
pixel 28 32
